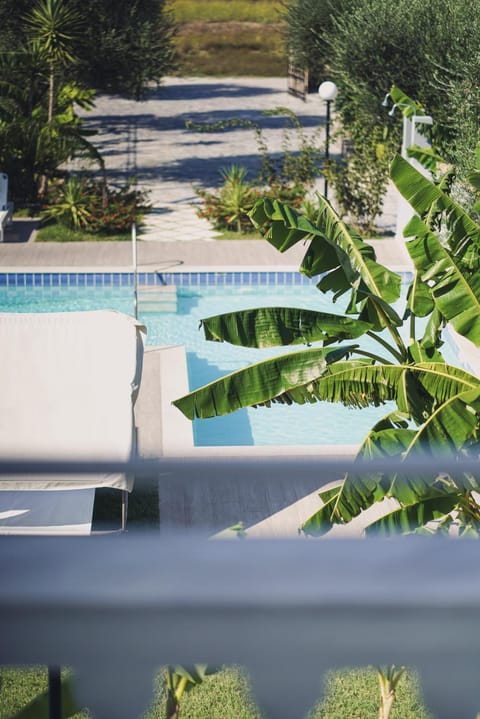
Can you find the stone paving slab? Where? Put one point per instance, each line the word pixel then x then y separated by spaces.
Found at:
pixel 150 141
pixel 193 255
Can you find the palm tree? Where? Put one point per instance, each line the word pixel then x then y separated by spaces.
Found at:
pixel 437 404
pixel 53 27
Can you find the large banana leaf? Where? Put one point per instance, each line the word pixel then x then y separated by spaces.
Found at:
pixel 414 388
pixel 419 297
pixel 423 194
pixel 352 259
pixel 323 375
pixel 416 517
pixel 376 311
pixel 404 102
pixel 448 429
pixel 426 156
pixel 287 227
pixel 456 293
pixel 274 326
pixel 284 378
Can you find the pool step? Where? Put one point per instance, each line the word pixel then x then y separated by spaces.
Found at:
pixel 157 298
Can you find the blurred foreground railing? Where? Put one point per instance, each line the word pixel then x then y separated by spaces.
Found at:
pixel 117 607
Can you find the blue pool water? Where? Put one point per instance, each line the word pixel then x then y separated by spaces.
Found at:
pixel 317 424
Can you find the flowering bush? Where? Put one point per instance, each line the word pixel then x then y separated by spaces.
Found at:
pixel 94 206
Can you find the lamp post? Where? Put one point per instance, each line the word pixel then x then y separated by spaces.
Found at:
pixel 328 91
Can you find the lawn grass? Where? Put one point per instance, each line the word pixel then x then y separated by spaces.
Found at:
pixel 227 694
pixel 235 38
pixel 231 235
pixel 265 11
pixel 231 49
pixel 54 232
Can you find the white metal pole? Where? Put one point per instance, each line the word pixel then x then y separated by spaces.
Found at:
pixel 134 262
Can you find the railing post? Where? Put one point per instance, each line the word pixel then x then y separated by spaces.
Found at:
pixel 54 693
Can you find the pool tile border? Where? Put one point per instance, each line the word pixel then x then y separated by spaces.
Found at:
pixel 179 279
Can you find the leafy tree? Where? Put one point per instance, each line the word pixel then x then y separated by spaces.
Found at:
pixel 125 45
pixel 309 23
pixel 31 147
pixel 370 45
pixel 129 44
pixel 52 26
pixel 437 404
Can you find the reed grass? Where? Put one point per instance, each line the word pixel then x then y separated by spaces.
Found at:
pixel 233 50
pixel 264 11
pixel 235 38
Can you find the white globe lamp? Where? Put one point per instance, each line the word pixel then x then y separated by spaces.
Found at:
pixel 328 91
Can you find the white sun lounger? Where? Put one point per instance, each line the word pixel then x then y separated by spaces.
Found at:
pixel 6 207
pixel 68 383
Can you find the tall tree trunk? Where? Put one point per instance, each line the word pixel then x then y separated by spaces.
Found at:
pixel 51 93
pixel 43 185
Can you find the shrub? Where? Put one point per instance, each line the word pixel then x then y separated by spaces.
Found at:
pixel 308 25
pixel 94 206
pixel 287 178
pixel 227 207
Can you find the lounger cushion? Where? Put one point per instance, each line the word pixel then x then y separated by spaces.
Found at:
pixel 68 381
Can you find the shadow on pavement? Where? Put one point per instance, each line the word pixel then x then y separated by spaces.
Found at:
pixel 197 91
pixel 21 230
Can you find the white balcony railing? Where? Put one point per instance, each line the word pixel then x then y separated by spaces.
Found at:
pixel 116 607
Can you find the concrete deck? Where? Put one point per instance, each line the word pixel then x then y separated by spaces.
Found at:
pixel 197 254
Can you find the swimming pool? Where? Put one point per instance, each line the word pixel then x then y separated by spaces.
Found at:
pixel 201 295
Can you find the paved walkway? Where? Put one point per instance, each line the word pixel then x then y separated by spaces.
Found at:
pixel 150 141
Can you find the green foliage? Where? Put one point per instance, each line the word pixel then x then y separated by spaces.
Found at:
pixel 24 694
pixel 91 205
pixel 361 177
pixel 437 405
pixel 227 694
pixel 261 11
pixel 388 679
pixel 128 45
pixel 54 26
pixel 286 178
pixel 124 46
pixel 69 206
pixel 353 693
pixel 370 45
pixel 39 127
pixel 229 207
pixel 180 680
pixel 309 23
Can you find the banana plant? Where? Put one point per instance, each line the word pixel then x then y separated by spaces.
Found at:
pixel 388 679
pixel 180 679
pixel 437 404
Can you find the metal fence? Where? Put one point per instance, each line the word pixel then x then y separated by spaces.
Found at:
pixel 116 607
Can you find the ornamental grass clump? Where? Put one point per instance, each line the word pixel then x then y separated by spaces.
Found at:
pixel 287 178
pixel 93 206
